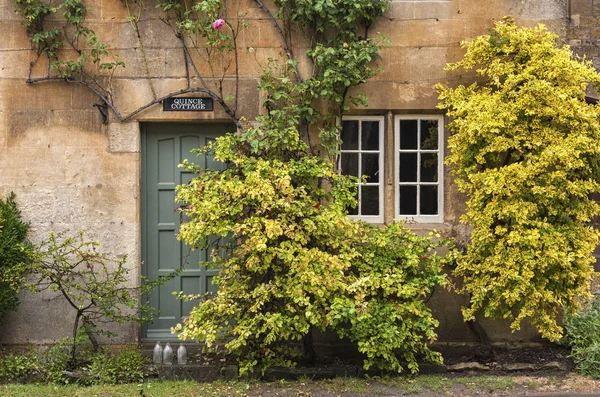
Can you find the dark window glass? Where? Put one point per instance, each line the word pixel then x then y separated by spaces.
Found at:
pixel 408 134
pixel 408 167
pixel 370 135
pixel 369 200
pixel 349 164
pixel 408 200
pixel 429 134
pixel 429 200
pixel 350 135
pixel 370 167
pixel 429 166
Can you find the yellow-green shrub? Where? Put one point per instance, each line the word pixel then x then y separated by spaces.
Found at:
pixel 525 147
pixel 295 261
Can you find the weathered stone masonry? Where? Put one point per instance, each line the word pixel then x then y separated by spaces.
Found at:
pixel 71 171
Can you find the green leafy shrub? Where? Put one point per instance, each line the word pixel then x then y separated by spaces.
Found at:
pixel 20 368
pixel 299 262
pixel 582 335
pixel 57 359
pixel 114 368
pixel 524 147
pixel 383 309
pixel 15 254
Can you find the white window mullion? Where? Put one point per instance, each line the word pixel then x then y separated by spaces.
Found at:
pixel 360 152
pixel 418 216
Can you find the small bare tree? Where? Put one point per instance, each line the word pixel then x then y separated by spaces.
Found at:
pixel 95 284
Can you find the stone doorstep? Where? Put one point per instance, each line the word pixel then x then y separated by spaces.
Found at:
pixel 209 373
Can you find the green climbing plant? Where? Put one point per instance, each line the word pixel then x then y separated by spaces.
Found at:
pixel 293 261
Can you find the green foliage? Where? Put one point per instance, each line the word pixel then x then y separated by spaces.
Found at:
pixel 15 254
pixel 19 368
pixel 126 366
pixel 299 261
pixel 341 59
pixel 524 148
pixel 582 335
pixel 383 308
pixel 338 18
pixel 50 40
pixel 59 358
pixel 55 365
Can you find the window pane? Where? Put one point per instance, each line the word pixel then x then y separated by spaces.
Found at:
pixel 354 211
pixel 370 135
pixel 408 167
pixel 349 164
pixel 408 134
pixel 429 134
pixel 350 135
pixel 408 200
pixel 370 167
pixel 370 200
pixel 429 166
pixel 429 200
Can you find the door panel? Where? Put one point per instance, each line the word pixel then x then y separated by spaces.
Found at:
pixel 164 146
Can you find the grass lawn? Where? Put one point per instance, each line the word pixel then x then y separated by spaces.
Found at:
pixel 426 385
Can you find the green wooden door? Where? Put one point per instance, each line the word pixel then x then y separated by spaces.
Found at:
pixel 164 146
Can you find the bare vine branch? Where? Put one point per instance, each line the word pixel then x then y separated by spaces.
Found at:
pixel 284 42
pixel 111 106
pixel 210 92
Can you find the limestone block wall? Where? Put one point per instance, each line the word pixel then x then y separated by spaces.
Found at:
pixel 69 170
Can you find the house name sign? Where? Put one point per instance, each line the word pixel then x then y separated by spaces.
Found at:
pixel 188 104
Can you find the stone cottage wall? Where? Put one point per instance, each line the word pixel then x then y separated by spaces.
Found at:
pixel 71 171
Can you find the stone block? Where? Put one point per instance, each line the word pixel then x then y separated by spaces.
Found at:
pixel 18 124
pixel 16 94
pixel 39 128
pixel 15 64
pixel 252 10
pixel 584 7
pixel 416 65
pixel 400 95
pixel 7 12
pixel 421 32
pixel 253 62
pixel 14 36
pixel 575 43
pixel 113 10
pixel 95 167
pixel 175 63
pixel 260 33
pixel 135 64
pixel 536 10
pixel 156 34
pixel 596 8
pixel 124 137
pixel 3 130
pixel 93 10
pixel 589 21
pixel 422 10
pixel 84 98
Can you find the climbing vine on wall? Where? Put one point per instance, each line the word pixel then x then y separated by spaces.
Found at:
pixel 298 262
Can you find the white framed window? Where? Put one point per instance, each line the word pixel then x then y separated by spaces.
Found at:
pixel 361 153
pixel 418 159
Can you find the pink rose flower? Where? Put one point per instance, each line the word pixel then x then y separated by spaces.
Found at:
pixel 218 24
